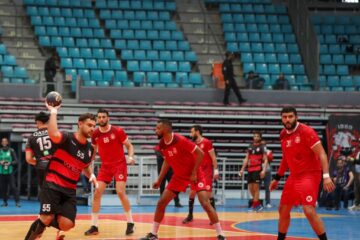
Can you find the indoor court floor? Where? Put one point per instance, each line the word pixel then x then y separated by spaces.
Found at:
pixel 236 221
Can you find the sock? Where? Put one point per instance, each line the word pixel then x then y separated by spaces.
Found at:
pixel 281 236
pixel 191 206
pixel 94 219
pixel 212 202
pixel 129 217
pixel 322 236
pixel 35 230
pixel 155 228
pixel 218 229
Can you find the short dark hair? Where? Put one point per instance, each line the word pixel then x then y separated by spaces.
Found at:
pixel 258 132
pixel 199 128
pixel 85 116
pixel 103 110
pixel 289 109
pixel 166 122
pixel 42 117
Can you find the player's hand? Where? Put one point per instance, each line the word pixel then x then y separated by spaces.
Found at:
pixel 262 174
pixel 273 185
pixel 93 180
pixel 51 108
pixel 130 161
pixel 241 172
pixel 156 184
pixel 328 185
pixel 216 174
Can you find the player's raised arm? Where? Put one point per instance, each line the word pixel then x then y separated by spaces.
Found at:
pixel 53 131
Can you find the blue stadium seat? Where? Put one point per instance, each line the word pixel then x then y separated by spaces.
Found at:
pixel 342 70
pixel 153 77
pixel 85 53
pixel 295 58
pixel 233 47
pixel 145 45
pixel 140 55
pixel 66 63
pixel 128 84
pixel 190 56
pixel 82 22
pixel 105 43
pixel 133 66
pixel 62 52
pixel 20 72
pixel 325 59
pixel 261 68
pixel 178 56
pixel 152 55
pixel 44 41
pixel 160 25
pixel 286 68
pixel 298 69
pixel 133 44
pixel 74 52
pixel 278 37
pixel 181 77
pixel 36 20
pixel 91 63
pixel 184 67
pixel 350 59
pixel 195 78
pixel 145 66
pixel 103 64
pixel 268 47
pixel 254 37
pixel 98 53
pixel 96 75
pixel 271 58
pixel 256 47
pixel 333 81
pixel 139 78
pixel 64 32
pixel 177 35
pixel 338 59
pixel 108 75
pixel 265 37
pixel 165 77
pixel 115 64
pixel 81 42
pixel 87 32
pixel 159 45
pixel 172 85
pixel 56 41
pixel 158 66
pixel 274 68
pixel 10 60
pixel 248 67
pixel 171 66
pixel 68 42
pixel 89 83
pixel 346 81
pixel 259 58
pixel 121 76
pixel 183 45
pixel 7 71
pixel 165 55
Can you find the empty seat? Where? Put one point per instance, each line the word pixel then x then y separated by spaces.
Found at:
pixel 195 78
pixel 133 66
pixel 165 77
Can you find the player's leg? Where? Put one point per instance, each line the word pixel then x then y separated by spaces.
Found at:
pixel 284 220
pixel 256 203
pixel 210 211
pixel 38 226
pixel 164 200
pixel 121 192
pixel 315 221
pixel 96 204
pixel 189 217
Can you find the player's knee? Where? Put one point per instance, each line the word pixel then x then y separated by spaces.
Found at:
pixel 121 194
pixel 66 225
pixel 46 219
pixel 205 205
pixel 309 211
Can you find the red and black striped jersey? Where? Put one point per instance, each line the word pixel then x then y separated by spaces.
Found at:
pixel 256 154
pixel 67 163
pixel 40 144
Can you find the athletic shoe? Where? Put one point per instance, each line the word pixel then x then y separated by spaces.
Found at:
pixel 259 208
pixel 150 236
pixel 221 237
pixel 17 205
pixel 178 205
pixel 188 219
pixel 92 231
pixel 60 235
pixel 268 205
pixel 354 208
pixel 129 228
pixel 5 204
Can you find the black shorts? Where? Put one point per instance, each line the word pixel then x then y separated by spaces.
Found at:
pixel 254 177
pixel 58 203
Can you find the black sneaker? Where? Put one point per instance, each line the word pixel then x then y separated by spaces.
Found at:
pixel 188 219
pixel 92 231
pixel 17 204
pixel 129 228
pixel 150 236
pixel 5 204
pixel 221 237
pixel 178 205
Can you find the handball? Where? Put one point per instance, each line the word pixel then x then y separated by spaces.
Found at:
pixel 53 99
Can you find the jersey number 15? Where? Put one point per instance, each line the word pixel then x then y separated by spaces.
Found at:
pixel 44 143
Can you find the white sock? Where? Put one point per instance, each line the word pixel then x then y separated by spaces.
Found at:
pixel 155 228
pixel 94 219
pixel 129 217
pixel 218 229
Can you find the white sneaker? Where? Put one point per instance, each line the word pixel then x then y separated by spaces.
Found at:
pixel 354 208
pixel 268 205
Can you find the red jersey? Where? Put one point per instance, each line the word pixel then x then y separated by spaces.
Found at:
pixel 255 157
pixel 179 155
pixel 110 145
pixel 297 150
pixel 206 146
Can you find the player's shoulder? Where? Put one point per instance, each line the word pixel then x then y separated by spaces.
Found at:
pixel 305 129
pixel 282 133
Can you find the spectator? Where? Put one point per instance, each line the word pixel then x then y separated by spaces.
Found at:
pixel 356 172
pixel 50 72
pixel 230 83
pixel 281 83
pixel 343 178
pixel 8 160
pixel 342 39
pixel 254 81
pixel 349 48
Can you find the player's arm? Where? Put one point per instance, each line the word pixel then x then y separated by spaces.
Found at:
pixel 95 151
pixel 53 131
pixel 130 151
pixel 29 156
pixel 214 163
pixel 351 179
pixel 199 155
pixel 164 169
pixel 280 173
pixel 320 152
pixel 245 163
pixel 265 160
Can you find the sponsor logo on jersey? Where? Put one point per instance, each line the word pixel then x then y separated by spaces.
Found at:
pixel 309 198
pixel 112 136
pixel 297 139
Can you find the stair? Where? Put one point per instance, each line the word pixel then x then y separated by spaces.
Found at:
pixel 203 29
pixel 19 38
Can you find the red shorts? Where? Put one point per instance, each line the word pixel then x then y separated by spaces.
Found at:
pixel 178 184
pixel 207 175
pixel 301 189
pixel 107 173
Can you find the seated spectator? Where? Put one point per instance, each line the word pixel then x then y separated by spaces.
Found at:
pixel 342 39
pixel 281 83
pixel 254 81
pixel 343 179
pixel 349 48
